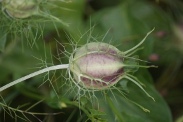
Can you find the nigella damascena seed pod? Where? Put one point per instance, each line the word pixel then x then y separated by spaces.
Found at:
pixel 97 65
pixel 20 8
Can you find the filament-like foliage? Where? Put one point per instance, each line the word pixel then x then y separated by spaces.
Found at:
pixel 17 113
pixel 30 27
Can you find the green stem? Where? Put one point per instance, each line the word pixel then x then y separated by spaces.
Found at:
pixel 62 66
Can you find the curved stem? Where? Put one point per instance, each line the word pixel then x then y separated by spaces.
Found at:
pixel 135 82
pixel 132 49
pixel 49 16
pixel 62 66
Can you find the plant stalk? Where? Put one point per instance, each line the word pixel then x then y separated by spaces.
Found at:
pixel 62 66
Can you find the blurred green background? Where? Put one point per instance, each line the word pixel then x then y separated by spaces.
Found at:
pixel 34 43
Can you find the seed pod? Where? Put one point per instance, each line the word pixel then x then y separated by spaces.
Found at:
pixel 97 65
pixel 20 8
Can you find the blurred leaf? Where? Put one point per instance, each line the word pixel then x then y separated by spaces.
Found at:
pixel 129 22
pixel 121 109
pixel 2 40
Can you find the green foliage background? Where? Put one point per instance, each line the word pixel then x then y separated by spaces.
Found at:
pixel 127 22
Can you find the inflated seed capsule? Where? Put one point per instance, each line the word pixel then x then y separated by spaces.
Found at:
pixel 20 8
pixel 97 65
